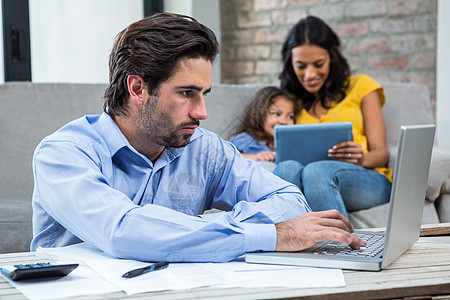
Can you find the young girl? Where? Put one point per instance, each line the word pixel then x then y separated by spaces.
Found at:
pixel 271 106
pixel 315 71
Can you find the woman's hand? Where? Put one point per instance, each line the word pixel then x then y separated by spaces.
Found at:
pixel 375 129
pixel 349 151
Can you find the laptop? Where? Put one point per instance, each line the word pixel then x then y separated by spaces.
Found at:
pixel 307 143
pixel 404 218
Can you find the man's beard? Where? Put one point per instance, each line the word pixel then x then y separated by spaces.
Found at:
pixel 156 124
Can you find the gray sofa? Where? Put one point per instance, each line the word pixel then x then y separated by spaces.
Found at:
pixel 31 111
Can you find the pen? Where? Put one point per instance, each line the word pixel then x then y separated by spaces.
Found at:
pixel 153 267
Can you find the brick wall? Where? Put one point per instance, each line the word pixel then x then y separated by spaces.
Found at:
pixel 390 40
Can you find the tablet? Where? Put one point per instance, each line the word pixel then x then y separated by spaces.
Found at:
pixel 307 143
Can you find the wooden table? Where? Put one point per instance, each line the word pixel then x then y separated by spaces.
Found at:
pixel 424 270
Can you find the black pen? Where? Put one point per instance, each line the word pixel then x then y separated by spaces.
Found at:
pixel 153 267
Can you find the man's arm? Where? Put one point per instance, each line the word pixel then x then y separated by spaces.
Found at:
pixel 272 200
pixel 76 199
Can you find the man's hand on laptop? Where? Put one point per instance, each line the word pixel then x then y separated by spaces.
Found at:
pixel 307 230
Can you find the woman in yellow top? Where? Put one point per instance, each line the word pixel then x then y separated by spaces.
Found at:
pixel 315 71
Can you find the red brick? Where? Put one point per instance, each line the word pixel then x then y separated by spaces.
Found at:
pixel 253 19
pixel 244 5
pixel 294 14
pixel 398 62
pixel 278 17
pixel 355 62
pixel 267 36
pixel 248 80
pixel 391 26
pixel 244 68
pixel 375 44
pixel 426 60
pixel 237 37
pixel 268 67
pixel 424 77
pixel 306 2
pixel 366 8
pixel 378 61
pixel 227 69
pixel 227 54
pixel 253 52
pixel 269 4
pixel 355 29
pixel 410 7
pixel 237 68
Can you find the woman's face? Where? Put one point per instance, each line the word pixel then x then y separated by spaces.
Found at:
pixel 311 64
pixel 281 112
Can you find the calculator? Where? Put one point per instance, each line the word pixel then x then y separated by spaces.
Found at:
pixel 37 270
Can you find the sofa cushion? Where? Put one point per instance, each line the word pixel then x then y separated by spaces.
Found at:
pixel 15 224
pixel 402 101
pixel 439 177
pixel 443 208
pixel 225 105
pixel 377 216
pixel 29 112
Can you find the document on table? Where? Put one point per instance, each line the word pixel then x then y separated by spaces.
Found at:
pixel 80 282
pixel 262 275
pixel 190 275
pixel 176 276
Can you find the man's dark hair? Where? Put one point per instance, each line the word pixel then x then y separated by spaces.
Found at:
pixel 313 31
pixel 152 48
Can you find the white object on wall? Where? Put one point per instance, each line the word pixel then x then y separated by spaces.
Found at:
pixel 443 74
pixel 206 12
pixel 71 39
pixel 2 60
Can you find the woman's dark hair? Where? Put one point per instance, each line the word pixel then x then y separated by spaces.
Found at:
pixel 255 114
pixel 152 48
pixel 313 31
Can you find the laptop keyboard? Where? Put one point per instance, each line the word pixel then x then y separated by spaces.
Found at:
pixel 375 245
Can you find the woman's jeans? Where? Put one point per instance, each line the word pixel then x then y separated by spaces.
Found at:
pixel 289 170
pixel 337 185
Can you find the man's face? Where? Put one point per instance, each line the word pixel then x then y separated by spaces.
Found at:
pixel 170 117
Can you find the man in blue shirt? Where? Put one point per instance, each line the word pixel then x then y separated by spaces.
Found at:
pixel 135 181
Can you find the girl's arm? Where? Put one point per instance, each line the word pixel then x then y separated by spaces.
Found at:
pixel 266 155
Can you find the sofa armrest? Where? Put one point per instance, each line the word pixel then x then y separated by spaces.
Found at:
pixel 15 224
pixel 439 176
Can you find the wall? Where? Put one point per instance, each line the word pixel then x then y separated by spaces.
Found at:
pixel 391 40
pixel 2 65
pixel 71 40
pixel 443 74
pixel 206 12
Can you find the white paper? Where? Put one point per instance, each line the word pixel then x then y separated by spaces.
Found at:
pixel 176 276
pixel 264 275
pixel 80 282
pixel 190 275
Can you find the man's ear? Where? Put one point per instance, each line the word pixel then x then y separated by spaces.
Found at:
pixel 137 89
